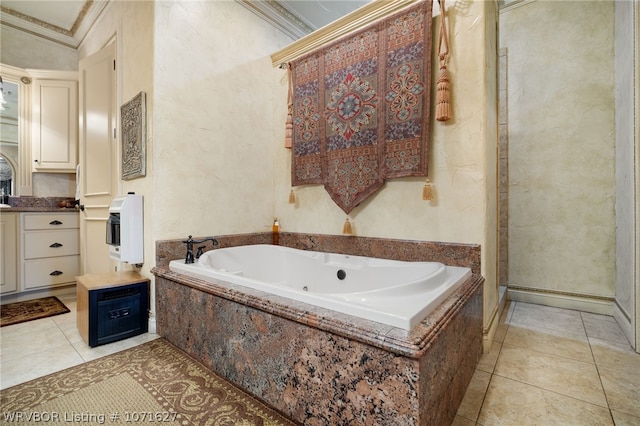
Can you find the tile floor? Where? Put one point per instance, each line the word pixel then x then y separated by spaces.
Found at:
pixel 37 348
pixel 547 366
pixel 551 366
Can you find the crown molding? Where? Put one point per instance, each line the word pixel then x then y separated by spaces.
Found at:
pixel 355 20
pixel 68 38
pixel 274 13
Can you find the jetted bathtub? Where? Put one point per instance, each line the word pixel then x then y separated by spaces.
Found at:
pixel 392 292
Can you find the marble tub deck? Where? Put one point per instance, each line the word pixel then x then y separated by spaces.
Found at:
pixel 319 367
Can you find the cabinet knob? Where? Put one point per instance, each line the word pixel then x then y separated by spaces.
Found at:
pixel 55 245
pixel 35 161
pixel 56 273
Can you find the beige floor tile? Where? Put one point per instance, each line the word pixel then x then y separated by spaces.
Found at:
pixel 545 317
pixel 549 341
pixel 501 332
pixel 29 367
pixel 472 401
pixel 88 353
pixel 507 312
pixel 488 361
pixel 558 374
pixel 27 327
pixel 71 332
pixel 622 419
pixel 603 327
pixel 509 402
pixel 68 318
pixel 461 421
pixel 612 355
pixel 622 387
pixel 37 348
pixel 22 341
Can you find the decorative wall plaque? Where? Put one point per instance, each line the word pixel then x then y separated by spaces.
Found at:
pixel 133 118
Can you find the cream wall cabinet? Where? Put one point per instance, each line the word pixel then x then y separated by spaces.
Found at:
pixel 50 249
pixel 55 125
pixel 9 254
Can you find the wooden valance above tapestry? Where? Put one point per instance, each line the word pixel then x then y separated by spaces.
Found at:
pixel 361 108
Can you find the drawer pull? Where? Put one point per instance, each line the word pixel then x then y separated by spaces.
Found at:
pixel 55 222
pixel 55 245
pixel 56 273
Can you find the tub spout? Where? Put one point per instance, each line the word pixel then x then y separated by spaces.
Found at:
pixel 190 258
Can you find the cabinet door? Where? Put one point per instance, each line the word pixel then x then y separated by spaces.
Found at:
pixel 8 253
pixel 55 125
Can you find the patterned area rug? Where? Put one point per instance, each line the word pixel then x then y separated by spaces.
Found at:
pixel 154 383
pixel 15 313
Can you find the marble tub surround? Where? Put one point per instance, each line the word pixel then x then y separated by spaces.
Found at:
pixel 316 372
pixel 411 343
pixel 322 367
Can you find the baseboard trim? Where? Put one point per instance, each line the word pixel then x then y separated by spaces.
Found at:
pixel 624 322
pixel 152 325
pixel 490 331
pixel 62 291
pixel 579 302
pixel 489 334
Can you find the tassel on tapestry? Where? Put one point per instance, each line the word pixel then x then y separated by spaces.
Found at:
pixel 443 104
pixel 288 132
pixel 346 228
pixel 443 95
pixel 427 191
pixel 292 197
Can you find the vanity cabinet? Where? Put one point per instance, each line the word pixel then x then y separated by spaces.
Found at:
pixel 50 249
pixel 55 125
pixel 9 253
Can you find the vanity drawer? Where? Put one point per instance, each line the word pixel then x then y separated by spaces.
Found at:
pixel 50 272
pixel 51 221
pixel 51 243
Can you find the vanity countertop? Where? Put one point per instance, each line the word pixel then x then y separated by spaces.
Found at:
pixel 39 204
pixel 43 209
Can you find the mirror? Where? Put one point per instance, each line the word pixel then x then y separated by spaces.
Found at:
pixel 15 146
pixel 9 114
pixel 6 178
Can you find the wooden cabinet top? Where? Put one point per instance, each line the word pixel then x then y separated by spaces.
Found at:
pixel 111 279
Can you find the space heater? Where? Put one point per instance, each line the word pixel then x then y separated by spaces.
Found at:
pixel 125 229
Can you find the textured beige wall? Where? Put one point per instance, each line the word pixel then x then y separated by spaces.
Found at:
pixel 626 170
pixel 216 119
pixel 561 145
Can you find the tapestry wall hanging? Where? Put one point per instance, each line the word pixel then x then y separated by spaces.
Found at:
pixel 133 118
pixel 361 108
